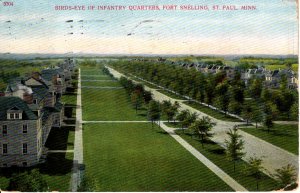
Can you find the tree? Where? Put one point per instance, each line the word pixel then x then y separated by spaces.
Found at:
pixel 202 127
pixel 268 122
pixel 182 116
pixel 153 111
pixel 247 112
pixel 147 95
pixel 286 175
pixel 257 115
pixel 234 146
pixel 136 99
pixel 255 88
pixel 28 182
pixel 254 169
pixel 190 118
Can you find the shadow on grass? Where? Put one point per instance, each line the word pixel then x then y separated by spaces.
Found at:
pixel 163 132
pixel 58 138
pixel 219 151
pixel 70 111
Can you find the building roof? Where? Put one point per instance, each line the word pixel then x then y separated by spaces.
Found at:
pixel 7 103
pixel 39 92
pixel 47 74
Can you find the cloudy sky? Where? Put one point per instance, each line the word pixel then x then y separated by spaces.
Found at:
pixel 34 27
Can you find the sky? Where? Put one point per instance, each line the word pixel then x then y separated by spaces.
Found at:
pixel 36 27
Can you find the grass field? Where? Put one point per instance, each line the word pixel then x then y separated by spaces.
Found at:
pixel 211 112
pixel 217 155
pixel 95 77
pixel 135 157
pixel 284 136
pixel 109 105
pixel 104 83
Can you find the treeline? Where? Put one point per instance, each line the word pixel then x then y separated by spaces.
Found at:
pixel 254 102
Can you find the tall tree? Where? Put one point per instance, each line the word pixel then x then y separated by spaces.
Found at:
pixel 182 116
pixel 268 122
pixel 202 127
pixel 153 111
pixel 137 100
pixel 234 146
pixel 257 115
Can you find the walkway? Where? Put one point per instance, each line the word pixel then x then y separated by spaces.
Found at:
pixel 102 87
pixel 273 156
pixel 215 169
pixel 78 145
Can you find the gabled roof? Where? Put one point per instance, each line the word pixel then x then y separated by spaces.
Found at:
pixel 7 103
pixel 47 74
pixel 39 92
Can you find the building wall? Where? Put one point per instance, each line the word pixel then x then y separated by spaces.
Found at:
pixel 15 139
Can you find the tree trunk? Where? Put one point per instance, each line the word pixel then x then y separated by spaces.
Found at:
pixel 152 124
pixel 234 166
pixel 256 184
pixel 256 125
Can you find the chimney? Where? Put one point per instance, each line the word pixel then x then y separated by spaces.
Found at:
pixel 28 98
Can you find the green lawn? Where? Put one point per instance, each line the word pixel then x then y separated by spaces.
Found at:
pixel 284 136
pixel 135 157
pixel 217 155
pixel 104 83
pixel 101 77
pixel 91 71
pixel 211 112
pixel 172 95
pixel 69 99
pixel 109 105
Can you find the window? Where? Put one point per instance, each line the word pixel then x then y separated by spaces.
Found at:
pixel 24 148
pixel 17 116
pixel 25 128
pixel 5 165
pixel 12 115
pixel 35 101
pixel 4 129
pixel 24 164
pixel 4 148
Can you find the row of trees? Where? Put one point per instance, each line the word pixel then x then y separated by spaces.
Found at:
pixel 254 102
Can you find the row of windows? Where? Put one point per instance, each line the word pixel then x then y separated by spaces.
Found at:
pixel 4 129
pixel 14 116
pixel 5 148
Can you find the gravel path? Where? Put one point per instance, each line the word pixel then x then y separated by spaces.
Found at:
pixel 273 156
pixel 215 169
pixel 77 171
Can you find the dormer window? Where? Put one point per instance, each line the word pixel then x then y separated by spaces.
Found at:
pixel 35 101
pixel 14 113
